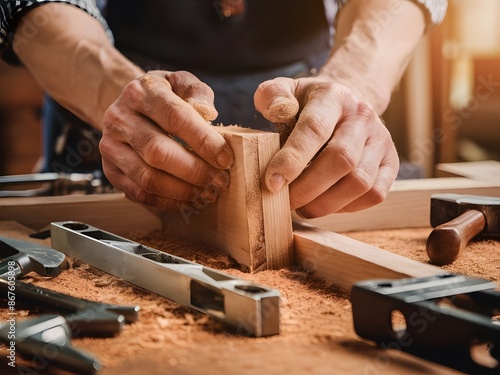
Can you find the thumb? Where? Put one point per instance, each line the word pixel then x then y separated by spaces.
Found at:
pixel 276 101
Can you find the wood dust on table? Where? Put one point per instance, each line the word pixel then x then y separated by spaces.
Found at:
pixel 317 336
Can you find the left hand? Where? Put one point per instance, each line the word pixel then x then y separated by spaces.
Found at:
pixel 339 157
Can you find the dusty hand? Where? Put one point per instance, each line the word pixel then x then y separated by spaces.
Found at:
pixel 339 157
pixel 141 157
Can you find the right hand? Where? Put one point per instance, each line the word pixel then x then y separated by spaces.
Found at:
pixel 140 155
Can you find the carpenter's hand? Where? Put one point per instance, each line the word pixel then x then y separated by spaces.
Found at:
pixel 142 159
pixel 357 161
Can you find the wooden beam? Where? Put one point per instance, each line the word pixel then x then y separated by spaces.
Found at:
pixel 111 212
pixel 487 170
pixel 250 223
pixel 406 206
pixel 341 261
pixel 418 105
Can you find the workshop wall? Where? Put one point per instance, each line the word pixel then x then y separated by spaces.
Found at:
pixel 474 51
pixel 446 108
pixel 20 129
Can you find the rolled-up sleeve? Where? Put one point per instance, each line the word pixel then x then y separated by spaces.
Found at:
pixel 435 9
pixel 11 10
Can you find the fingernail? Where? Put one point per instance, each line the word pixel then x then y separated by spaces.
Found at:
pixel 200 204
pixel 221 180
pixel 276 182
pixel 224 159
pixel 210 194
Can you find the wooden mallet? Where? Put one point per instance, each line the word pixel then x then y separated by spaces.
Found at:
pixel 456 220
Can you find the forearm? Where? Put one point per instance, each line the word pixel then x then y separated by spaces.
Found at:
pixel 373 43
pixel 72 58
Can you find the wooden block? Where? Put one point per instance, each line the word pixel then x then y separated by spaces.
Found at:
pixel 111 212
pixel 407 205
pixel 488 170
pixel 250 223
pixel 342 261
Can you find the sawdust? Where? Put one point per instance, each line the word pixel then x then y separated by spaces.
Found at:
pixel 481 258
pixel 316 335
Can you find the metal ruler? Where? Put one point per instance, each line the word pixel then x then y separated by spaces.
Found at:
pixel 252 309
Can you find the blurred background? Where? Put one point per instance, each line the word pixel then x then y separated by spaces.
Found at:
pixel 446 108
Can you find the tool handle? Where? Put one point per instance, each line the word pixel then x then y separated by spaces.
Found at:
pixel 10 268
pixel 87 318
pixel 44 298
pixel 447 241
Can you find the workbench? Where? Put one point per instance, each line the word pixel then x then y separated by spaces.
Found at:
pixel 316 331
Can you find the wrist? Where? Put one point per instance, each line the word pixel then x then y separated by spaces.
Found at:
pixel 362 76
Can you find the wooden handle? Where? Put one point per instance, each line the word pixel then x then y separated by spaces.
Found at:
pixel 447 241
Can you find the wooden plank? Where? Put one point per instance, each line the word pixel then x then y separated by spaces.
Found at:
pixel 342 261
pixel 250 223
pixel 111 212
pixel 487 170
pixel 407 205
pixel 418 107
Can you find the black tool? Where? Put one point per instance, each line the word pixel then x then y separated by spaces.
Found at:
pixel 87 318
pixel 51 183
pixel 46 340
pixel 449 319
pixel 79 318
pixel 18 258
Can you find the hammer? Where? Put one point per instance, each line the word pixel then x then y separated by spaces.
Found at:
pixel 18 258
pixel 456 220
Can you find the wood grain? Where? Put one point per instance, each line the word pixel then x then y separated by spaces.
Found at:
pixel 487 170
pixel 342 261
pixel 111 212
pixel 407 205
pixel 250 223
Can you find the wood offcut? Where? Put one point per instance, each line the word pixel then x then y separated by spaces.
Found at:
pixel 249 222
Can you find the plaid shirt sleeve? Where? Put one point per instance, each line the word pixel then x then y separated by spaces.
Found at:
pixel 436 9
pixel 10 11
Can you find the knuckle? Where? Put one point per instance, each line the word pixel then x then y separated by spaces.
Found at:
pixel 366 113
pixel 194 87
pixel 377 194
pixel 205 143
pixel 362 180
pixel 320 128
pixel 147 180
pixel 266 86
pixel 145 198
pixel 198 175
pixel 314 209
pixel 345 156
pixel 134 91
pixel 181 75
pixel 299 196
pixel 112 119
pixel 174 117
pixel 291 164
pixel 155 154
pixel 105 147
